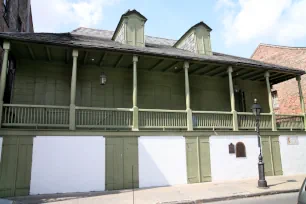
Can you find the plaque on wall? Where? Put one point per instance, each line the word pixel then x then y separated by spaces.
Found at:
pixel 231 148
pixel 292 140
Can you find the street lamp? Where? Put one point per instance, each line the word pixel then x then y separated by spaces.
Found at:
pixel 262 183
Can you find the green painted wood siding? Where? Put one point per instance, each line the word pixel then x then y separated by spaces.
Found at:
pixel 46 83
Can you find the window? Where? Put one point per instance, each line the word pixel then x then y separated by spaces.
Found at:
pixel 275 99
pixel 5 2
pixel 240 150
pixel 19 24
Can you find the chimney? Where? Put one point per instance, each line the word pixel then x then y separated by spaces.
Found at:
pixel 130 29
pixel 196 39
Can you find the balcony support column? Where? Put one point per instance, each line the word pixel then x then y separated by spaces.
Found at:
pixel 232 98
pixel 187 93
pixel 298 79
pixel 72 115
pixel 6 48
pixel 267 76
pixel 135 108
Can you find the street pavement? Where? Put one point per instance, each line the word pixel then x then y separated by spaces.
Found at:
pixel 191 193
pixel 287 198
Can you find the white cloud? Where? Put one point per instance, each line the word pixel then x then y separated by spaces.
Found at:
pixel 55 16
pixel 246 20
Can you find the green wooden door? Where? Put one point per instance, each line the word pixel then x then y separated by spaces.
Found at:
pixel 266 153
pixel 198 159
pixel 205 159
pixel 277 163
pixel 192 160
pixel 15 167
pixel 271 155
pixel 121 157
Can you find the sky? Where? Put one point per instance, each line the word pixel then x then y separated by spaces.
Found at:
pixel 238 25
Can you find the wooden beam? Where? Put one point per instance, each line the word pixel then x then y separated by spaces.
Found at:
pixel 279 77
pixel 48 53
pixel 31 52
pixel 250 74
pixel 285 78
pixel 119 61
pixel 237 74
pixel 169 67
pixel 209 71
pixel 260 75
pixel 67 56
pixel 220 70
pixel 197 69
pixel 181 69
pixel 102 59
pixel 85 57
pixel 276 76
pixel 157 64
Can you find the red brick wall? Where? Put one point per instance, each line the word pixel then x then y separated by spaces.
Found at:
pixel 288 93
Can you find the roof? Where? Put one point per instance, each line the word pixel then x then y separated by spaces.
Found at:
pixel 292 57
pixel 98 39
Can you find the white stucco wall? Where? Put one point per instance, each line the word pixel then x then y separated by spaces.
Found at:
pixel 225 166
pixel 162 161
pixel 0 147
pixel 67 164
pixel 293 156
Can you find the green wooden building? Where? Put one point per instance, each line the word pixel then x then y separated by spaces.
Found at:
pixel 101 110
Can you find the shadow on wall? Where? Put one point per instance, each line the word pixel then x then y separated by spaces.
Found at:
pixel 153 175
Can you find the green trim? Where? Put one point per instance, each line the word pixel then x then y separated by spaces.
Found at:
pixel 21 132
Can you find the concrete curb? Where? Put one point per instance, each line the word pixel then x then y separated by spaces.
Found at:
pixel 208 200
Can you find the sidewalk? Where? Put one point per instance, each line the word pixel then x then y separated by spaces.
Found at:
pixel 191 193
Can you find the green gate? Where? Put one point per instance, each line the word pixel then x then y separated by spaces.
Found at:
pixel 271 155
pixel 121 163
pixel 15 166
pixel 198 159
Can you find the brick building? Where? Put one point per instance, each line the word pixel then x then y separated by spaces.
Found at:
pixel 286 95
pixel 16 16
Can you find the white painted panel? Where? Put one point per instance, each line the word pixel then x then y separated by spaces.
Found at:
pixel 68 164
pixel 293 156
pixel 162 161
pixel 0 147
pixel 225 166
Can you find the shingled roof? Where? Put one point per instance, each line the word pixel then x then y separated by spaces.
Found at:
pixel 101 39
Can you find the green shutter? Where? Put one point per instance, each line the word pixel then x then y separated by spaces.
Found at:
pixel 277 163
pixel 198 159
pixel 15 167
pixel 121 157
pixel 265 141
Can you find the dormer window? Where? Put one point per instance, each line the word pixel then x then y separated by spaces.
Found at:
pixel 130 29
pixel 196 39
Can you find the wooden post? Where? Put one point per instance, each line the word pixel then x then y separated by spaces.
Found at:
pixel 6 48
pixel 298 78
pixel 187 92
pixel 267 76
pixel 73 90
pixel 232 98
pixel 135 108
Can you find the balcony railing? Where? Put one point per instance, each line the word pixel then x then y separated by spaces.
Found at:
pixel 35 116
pixel 289 122
pixel 88 117
pixel 44 116
pixel 162 119
pixel 212 120
pixel 247 121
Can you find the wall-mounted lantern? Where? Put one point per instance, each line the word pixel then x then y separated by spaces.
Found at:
pixel 102 79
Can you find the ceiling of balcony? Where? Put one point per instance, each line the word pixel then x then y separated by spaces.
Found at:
pixel 117 60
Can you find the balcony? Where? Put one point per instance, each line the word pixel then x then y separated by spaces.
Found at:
pixel 57 117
